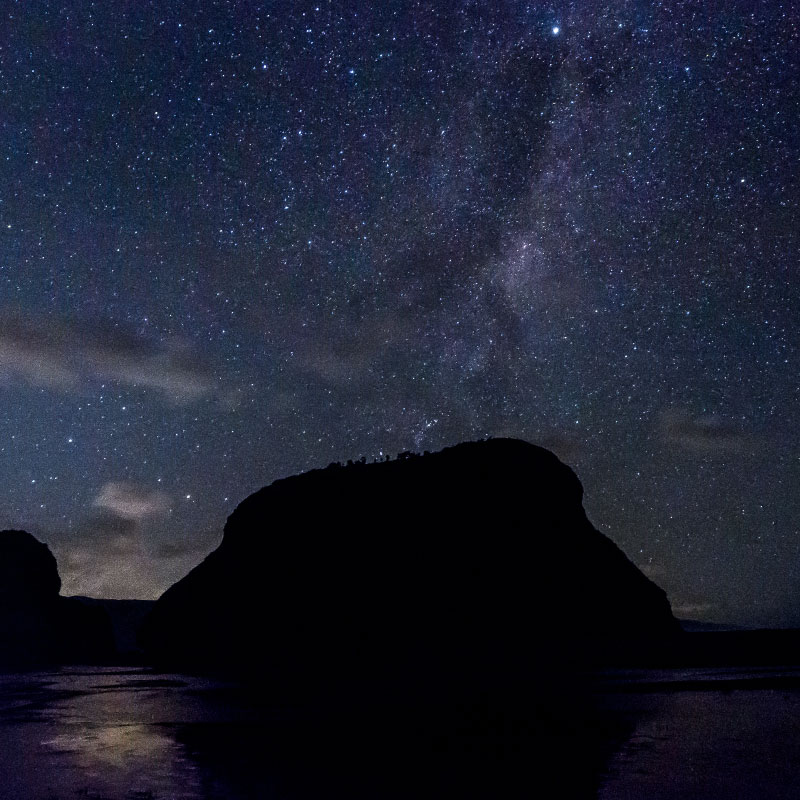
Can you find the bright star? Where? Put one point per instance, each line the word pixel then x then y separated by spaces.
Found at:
pixel 556 30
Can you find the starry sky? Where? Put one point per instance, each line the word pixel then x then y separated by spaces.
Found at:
pixel 239 240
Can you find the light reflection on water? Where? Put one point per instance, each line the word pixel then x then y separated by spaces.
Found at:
pixel 106 734
pixel 101 734
pixel 128 735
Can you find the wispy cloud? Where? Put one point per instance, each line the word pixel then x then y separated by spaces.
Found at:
pixel 65 355
pixel 694 611
pixel 128 545
pixel 131 502
pixel 704 434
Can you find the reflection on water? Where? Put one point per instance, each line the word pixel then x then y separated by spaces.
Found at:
pixel 111 734
pixel 112 747
pixel 105 734
pixel 96 734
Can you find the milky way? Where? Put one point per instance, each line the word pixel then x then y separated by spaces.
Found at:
pixel 241 240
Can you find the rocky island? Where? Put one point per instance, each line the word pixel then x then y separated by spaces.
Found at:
pixel 469 562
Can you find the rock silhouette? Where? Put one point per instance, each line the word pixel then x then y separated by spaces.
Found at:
pixel 37 625
pixel 472 562
pixel 126 617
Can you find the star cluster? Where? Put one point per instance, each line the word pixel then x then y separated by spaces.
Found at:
pixel 239 240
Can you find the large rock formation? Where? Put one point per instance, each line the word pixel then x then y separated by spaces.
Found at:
pixel 475 559
pixel 37 625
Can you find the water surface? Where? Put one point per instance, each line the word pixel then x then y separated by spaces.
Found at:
pixel 707 733
pixel 127 734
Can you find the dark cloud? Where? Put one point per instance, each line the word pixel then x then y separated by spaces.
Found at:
pixel 704 434
pixel 341 355
pixel 66 355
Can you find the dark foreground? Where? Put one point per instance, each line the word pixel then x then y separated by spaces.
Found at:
pixel 131 734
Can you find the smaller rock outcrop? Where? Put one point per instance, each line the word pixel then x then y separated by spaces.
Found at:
pixel 126 618
pixel 37 625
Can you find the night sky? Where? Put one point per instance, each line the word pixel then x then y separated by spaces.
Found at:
pixel 241 240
